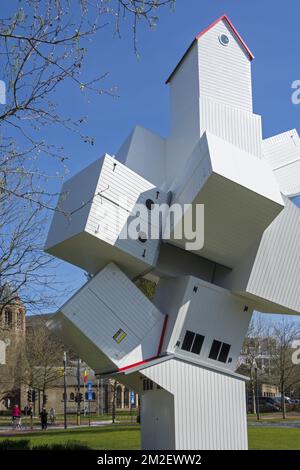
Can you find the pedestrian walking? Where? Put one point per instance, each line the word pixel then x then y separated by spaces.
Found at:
pixel 52 415
pixel 16 416
pixel 44 417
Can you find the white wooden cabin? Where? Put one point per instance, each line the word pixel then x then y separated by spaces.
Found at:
pixel 206 323
pixel 109 322
pixel 89 228
pixel 240 194
pixel 180 351
pixel 282 152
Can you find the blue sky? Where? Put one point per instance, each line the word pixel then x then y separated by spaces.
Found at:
pixel 270 29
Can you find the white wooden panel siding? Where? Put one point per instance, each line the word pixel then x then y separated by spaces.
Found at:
pixel 107 303
pixel 157 412
pixel 289 178
pixel 144 153
pixel 282 152
pixel 282 148
pixel 239 127
pixel 225 71
pixel 185 125
pixel 206 309
pixel 107 222
pixel 276 272
pixel 269 272
pixel 103 212
pixel 215 418
pixel 211 75
pixel 75 194
pixel 118 181
pixel 240 194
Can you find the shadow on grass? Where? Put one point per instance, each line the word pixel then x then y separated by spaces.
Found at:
pixel 24 444
pixel 20 444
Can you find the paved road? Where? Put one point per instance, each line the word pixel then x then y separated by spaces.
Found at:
pixel 277 424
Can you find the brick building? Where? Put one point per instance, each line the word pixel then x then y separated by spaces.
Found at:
pixel 12 340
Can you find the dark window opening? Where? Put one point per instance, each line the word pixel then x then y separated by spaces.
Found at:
pixel 188 341
pixel 219 351
pixel 215 349
pixel 224 352
pixel 7 318
pixel 147 384
pixel 192 342
pixel 197 345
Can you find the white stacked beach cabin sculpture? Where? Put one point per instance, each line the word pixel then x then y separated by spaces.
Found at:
pixel 180 351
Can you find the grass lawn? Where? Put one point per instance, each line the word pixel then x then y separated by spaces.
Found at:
pixel 120 437
pixel 99 438
pixel 274 438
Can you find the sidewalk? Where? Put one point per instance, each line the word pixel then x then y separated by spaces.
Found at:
pixel 9 431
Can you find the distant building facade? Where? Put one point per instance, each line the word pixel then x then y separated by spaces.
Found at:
pixel 103 391
pixel 12 343
pixel 12 340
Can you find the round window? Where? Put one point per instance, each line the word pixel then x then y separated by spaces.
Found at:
pixel 224 39
pixel 142 237
pixel 149 204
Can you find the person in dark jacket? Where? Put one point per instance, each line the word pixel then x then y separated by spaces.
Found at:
pixel 44 417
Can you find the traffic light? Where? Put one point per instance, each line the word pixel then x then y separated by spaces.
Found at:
pixel 29 396
pixel 45 399
pixel 33 395
pixel 78 397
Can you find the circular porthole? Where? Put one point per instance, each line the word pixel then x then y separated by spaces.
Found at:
pixel 224 39
pixel 142 237
pixel 149 204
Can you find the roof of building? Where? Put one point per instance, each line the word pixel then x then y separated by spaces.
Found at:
pixel 157 360
pixel 8 294
pixel 198 37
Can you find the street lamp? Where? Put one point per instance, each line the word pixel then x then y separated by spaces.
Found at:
pixel 65 389
pixel 257 390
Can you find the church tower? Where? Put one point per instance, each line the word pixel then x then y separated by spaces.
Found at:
pixel 12 337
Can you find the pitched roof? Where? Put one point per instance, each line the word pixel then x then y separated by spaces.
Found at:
pixel 198 37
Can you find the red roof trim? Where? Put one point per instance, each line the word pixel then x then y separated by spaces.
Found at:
pixel 162 336
pixel 161 341
pixel 122 369
pixel 238 36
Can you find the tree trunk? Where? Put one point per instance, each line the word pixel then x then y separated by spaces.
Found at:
pixel 283 407
pixel 253 396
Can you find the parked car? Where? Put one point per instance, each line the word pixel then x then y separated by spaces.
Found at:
pixel 290 404
pixel 286 399
pixel 295 401
pixel 266 405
